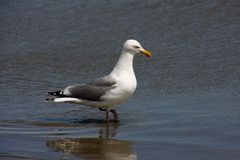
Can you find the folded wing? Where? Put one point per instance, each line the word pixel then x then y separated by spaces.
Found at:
pixel 91 91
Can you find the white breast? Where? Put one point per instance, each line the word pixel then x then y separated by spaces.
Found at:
pixel 125 87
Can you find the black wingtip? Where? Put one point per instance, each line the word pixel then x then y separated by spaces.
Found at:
pixel 54 93
pixel 49 99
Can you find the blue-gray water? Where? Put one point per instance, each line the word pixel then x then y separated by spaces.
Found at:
pixel 187 104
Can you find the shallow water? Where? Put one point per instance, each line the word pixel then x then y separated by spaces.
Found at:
pixel 187 102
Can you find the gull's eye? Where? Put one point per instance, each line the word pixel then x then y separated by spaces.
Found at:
pixel 137 47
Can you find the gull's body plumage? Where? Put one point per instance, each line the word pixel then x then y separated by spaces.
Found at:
pixel 108 91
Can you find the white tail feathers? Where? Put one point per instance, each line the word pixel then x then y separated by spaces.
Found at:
pixel 67 99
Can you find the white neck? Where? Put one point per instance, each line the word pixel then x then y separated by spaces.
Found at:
pixel 124 65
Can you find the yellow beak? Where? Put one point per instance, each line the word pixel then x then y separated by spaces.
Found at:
pixel 146 53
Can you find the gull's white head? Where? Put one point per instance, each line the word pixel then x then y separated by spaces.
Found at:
pixel 134 47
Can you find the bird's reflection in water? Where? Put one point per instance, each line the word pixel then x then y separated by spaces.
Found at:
pixel 103 147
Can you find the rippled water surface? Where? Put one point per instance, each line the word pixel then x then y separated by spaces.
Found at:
pixel 187 105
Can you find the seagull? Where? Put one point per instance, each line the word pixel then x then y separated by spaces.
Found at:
pixel 106 92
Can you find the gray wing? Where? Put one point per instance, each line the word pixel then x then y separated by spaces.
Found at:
pixel 103 81
pixel 91 91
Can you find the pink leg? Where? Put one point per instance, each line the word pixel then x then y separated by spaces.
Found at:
pixel 115 115
pixel 107 116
